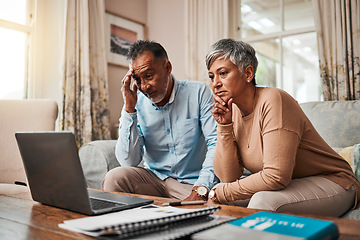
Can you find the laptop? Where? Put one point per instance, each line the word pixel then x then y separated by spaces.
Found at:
pixel 56 178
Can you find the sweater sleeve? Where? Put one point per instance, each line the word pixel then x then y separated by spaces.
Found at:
pixel 227 164
pixel 280 130
pixel 278 165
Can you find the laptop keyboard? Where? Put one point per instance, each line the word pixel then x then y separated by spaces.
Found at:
pixel 97 204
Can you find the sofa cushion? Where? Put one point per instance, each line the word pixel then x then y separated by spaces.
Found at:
pixel 337 122
pixel 12 189
pixel 353 214
pixel 97 158
pixel 21 115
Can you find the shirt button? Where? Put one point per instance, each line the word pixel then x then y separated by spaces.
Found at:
pixel 168 130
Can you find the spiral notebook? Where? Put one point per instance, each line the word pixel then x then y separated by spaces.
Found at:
pixel 148 222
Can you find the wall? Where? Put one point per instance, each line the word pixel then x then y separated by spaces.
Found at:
pixel 163 20
pixel 164 23
pixel 135 10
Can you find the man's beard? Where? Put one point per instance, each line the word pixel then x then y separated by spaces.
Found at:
pixel 160 97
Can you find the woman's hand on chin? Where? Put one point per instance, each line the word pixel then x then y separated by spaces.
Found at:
pixel 222 111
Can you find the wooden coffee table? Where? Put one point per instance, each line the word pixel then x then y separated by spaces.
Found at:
pixel 23 218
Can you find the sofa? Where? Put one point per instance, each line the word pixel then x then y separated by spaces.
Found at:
pixel 338 122
pixel 20 115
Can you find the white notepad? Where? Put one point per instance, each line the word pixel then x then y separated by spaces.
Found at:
pixel 145 220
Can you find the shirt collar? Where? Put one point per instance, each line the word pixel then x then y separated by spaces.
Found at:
pixel 172 96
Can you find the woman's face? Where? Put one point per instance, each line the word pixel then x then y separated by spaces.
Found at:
pixel 227 80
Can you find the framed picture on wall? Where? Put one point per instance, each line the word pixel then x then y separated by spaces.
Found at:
pixel 120 34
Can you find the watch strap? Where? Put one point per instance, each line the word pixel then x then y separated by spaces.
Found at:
pixel 212 195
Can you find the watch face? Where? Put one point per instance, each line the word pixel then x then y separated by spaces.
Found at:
pixel 212 194
pixel 201 191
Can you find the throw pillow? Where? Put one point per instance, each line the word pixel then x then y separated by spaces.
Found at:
pixel 352 156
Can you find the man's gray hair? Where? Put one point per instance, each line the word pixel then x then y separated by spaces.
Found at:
pixel 240 53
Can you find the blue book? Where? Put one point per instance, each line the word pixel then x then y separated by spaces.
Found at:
pixel 268 225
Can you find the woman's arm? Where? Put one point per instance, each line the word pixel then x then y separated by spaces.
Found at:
pixel 227 166
pixel 278 165
pixel 281 128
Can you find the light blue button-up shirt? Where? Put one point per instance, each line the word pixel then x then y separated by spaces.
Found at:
pixel 177 140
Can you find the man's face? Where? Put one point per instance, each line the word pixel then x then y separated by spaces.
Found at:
pixel 152 77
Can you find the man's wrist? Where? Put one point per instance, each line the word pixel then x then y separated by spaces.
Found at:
pixel 130 110
pixel 201 191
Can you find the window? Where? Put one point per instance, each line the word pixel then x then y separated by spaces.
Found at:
pixel 283 34
pixel 15 33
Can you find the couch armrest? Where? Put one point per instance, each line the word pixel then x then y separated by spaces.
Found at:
pixel 97 158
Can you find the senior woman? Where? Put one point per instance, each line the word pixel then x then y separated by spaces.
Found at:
pixel 264 130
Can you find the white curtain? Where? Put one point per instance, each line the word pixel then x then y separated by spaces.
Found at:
pixel 207 21
pixel 337 25
pixel 85 83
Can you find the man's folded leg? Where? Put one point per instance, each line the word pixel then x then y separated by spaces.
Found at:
pixel 177 189
pixel 134 180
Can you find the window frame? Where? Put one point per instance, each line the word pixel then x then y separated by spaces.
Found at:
pixel 236 17
pixel 28 29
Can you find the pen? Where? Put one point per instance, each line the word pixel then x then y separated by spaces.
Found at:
pixel 183 203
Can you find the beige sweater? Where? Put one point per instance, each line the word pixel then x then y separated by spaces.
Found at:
pixel 283 145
